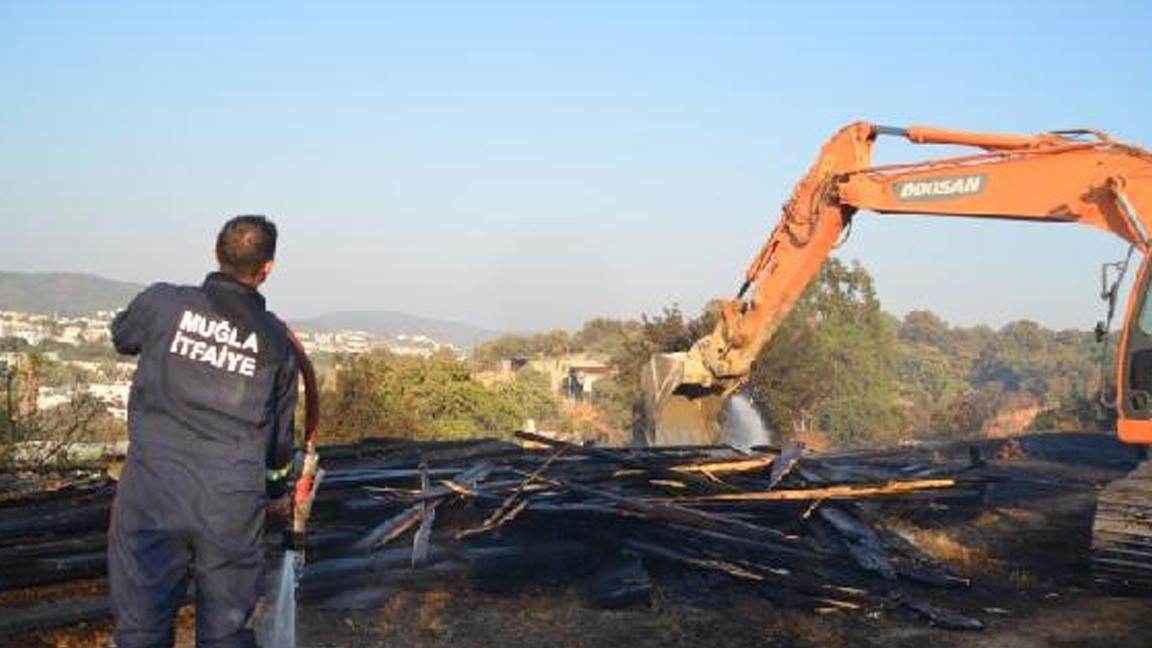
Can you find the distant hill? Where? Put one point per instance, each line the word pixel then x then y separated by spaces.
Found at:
pixel 71 294
pixel 388 323
pixel 63 293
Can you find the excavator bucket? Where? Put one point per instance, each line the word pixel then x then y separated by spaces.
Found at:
pixel 682 405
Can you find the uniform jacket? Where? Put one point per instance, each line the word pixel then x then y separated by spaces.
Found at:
pixel 216 376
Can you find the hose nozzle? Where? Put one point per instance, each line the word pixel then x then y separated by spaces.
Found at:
pixel 303 495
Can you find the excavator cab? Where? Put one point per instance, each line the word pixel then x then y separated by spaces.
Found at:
pixel 1121 553
pixel 1134 401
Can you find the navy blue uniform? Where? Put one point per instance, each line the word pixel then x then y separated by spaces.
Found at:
pixel 209 420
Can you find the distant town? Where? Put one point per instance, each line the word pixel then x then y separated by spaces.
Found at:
pixel 361 342
pixel 79 349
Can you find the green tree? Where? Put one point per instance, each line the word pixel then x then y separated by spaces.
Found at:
pixel 956 380
pixel 509 347
pixel 384 394
pixel 606 336
pixel 832 365
pixel 668 332
pixel 925 328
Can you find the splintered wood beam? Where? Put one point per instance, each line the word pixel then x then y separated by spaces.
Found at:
pixel 458 482
pixel 844 491
pixel 739 572
pixel 513 504
pixel 727 466
pixel 390 529
pixel 619 457
pixel 58 569
pixel 681 515
pixel 427 519
pixel 53 614
pixel 788 459
pixel 32 522
pixel 614 456
pixel 861 541
pixel 13 554
pixel 396 525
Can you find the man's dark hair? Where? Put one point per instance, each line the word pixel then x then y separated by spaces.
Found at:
pixel 245 244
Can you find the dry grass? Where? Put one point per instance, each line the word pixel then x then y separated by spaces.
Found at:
pixel 968 561
pixel 941 546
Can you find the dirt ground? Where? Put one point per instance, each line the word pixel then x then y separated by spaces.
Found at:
pixel 1025 547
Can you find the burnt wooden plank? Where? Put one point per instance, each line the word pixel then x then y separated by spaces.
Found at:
pixel 19 620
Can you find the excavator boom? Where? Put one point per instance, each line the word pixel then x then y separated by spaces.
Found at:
pixel 1078 176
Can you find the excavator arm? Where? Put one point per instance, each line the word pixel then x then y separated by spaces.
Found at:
pixel 1060 177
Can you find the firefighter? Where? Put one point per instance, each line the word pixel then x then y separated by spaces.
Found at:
pixel 211 431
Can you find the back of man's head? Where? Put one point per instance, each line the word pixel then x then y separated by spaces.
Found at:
pixel 245 246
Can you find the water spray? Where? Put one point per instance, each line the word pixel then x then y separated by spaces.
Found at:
pixel 278 629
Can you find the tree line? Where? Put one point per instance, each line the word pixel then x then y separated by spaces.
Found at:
pixel 839 369
pixel 842 369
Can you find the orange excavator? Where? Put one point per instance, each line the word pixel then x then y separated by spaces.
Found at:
pixel 1072 176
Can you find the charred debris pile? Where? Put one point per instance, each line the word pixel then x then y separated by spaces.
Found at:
pixel 802 530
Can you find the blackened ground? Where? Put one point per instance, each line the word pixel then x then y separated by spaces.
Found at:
pixel 1025 547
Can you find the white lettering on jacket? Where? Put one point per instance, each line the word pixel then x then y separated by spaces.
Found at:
pixel 215 342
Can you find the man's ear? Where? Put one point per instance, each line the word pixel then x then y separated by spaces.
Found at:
pixel 266 269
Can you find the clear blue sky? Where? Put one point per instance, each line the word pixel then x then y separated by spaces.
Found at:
pixel 531 164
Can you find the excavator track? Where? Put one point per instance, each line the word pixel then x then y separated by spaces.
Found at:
pixel 1122 534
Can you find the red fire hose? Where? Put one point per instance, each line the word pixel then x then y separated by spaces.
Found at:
pixel 308 481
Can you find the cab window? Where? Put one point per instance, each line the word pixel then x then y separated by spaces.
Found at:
pixel 1145 320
